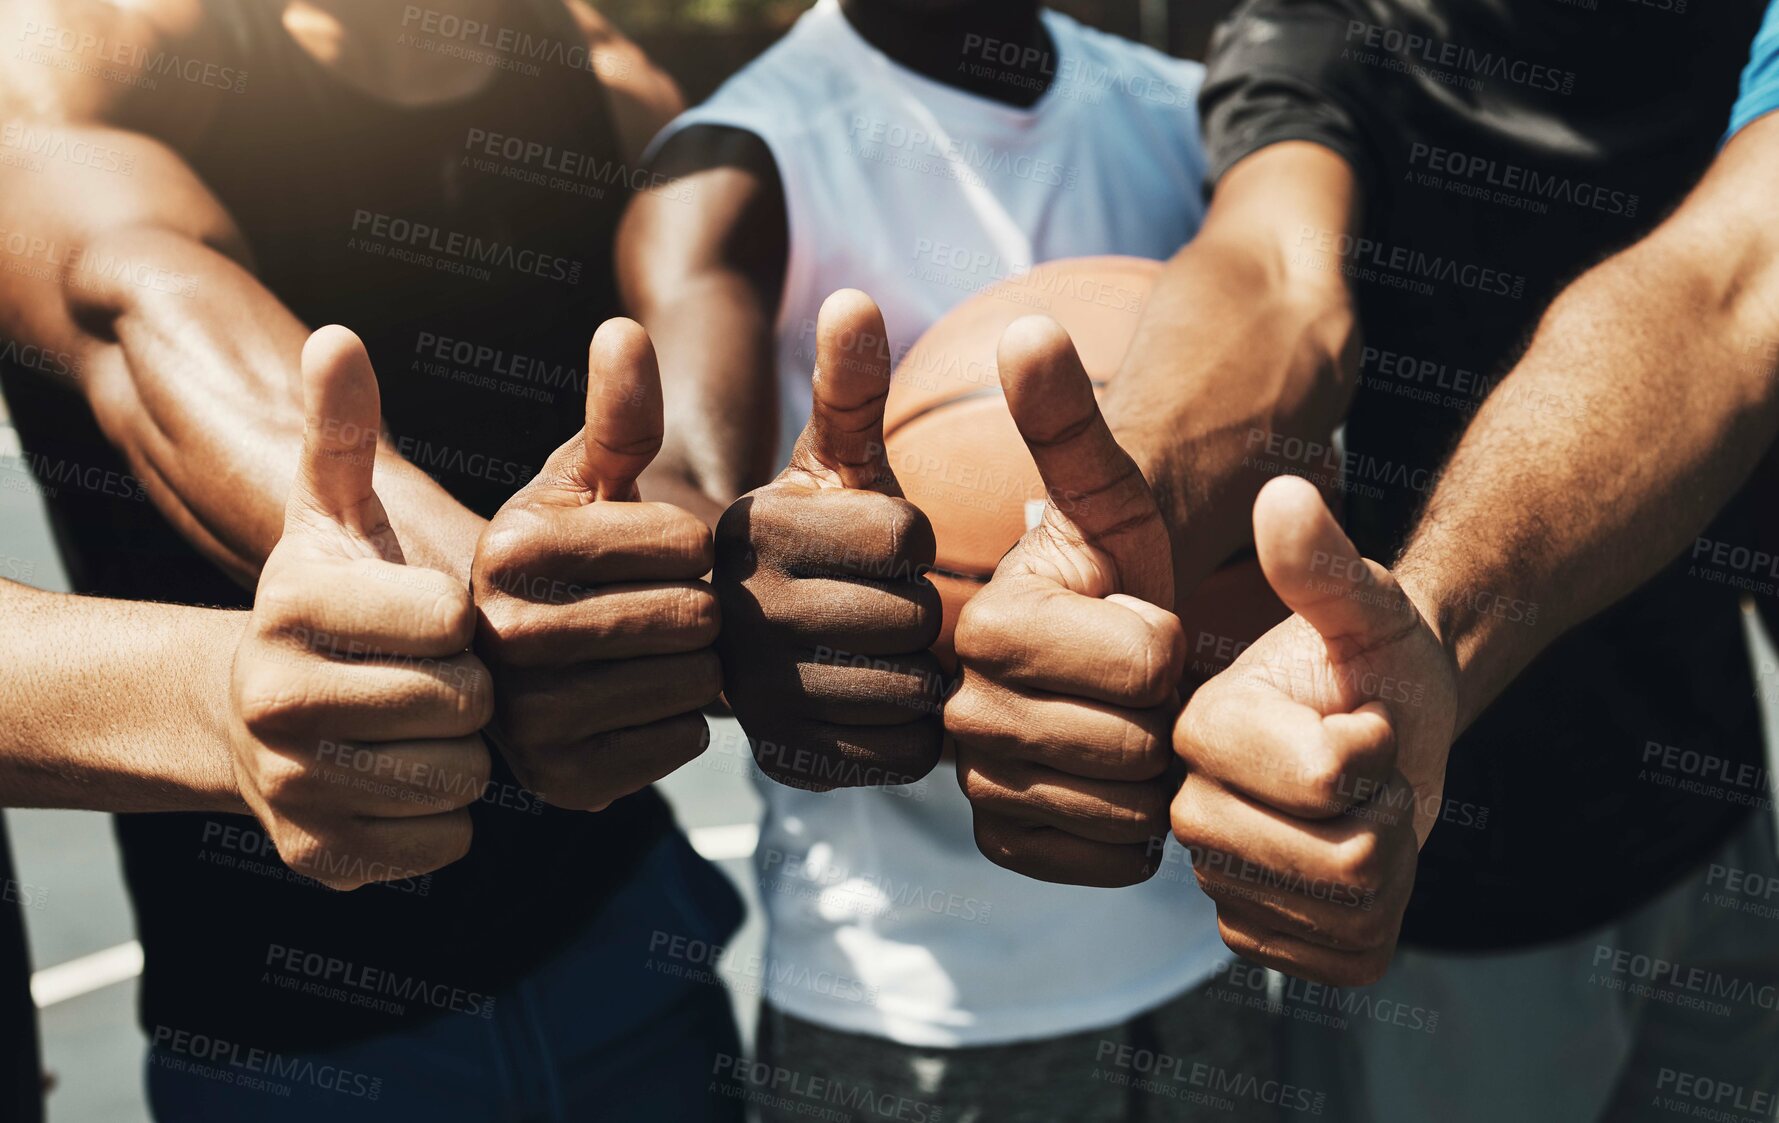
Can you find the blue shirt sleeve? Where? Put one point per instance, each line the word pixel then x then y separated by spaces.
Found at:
pixel 1760 78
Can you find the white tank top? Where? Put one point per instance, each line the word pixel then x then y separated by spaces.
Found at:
pixel 882 916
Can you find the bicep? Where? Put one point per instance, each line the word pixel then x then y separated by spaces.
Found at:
pixel 718 218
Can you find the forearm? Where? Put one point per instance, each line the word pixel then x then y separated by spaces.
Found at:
pixel 1241 339
pixel 714 342
pixel 1634 416
pixel 115 705
pixel 189 365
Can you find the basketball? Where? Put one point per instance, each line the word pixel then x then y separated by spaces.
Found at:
pixel 959 458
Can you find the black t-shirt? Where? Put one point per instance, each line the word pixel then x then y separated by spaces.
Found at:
pixel 1505 146
pixel 21 1078
pixel 470 245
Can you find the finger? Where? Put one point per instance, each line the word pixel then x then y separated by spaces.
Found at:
pixel 821 756
pixel 543 709
pixel 348 855
pixel 853 617
pixel 610 622
pixel 309 700
pixel 1316 570
pixel 1109 811
pixel 1035 634
pixel 624 424
pixel 1087 475
pixel 367 607
pixel 1302 959
pixel 844 433
pixel 1346 862
pixel 341 425
pixel 400 779
pixel 839 687
pixel 803 532
pixel 556 554
pixel 1047 854
pixel 1250 736
pixel 1072 735
pixel 593 772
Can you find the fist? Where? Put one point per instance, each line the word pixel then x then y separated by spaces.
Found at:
pixel 356 703
pixel 591 608
pixel 1316 762
pixel 827 612
pixel 1070 656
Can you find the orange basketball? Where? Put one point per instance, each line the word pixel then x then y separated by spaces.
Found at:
pixel 960 459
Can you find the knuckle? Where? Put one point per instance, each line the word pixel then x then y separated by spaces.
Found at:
pixel 1322 778
pixel 982 627
pixel 682 537
pixel 1359 862
pixel 1142 752
pixel 283 782
pixel 450 615
pixel 270 703
pixel 504 548
pixel 1148 671
pixel 693 614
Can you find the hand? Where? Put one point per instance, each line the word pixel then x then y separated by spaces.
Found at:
pixel 591 609
pixel 356 703
pixel 827 615
pixel 1316 762
pixel 1071 654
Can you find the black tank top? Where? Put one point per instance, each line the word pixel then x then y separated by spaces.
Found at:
pixel 470 245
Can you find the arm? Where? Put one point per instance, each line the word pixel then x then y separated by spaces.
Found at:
pixel 115 706
pixel 1648 395
pixel 192 374
pixel 1241 336
pixel 701 263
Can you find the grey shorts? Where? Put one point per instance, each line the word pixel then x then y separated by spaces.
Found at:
pixel 1194 1058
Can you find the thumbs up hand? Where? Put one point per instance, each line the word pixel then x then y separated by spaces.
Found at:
pixel 827 616
pixel 592 612
pixel 355 702
pixel 1316 762
pixel 1070 656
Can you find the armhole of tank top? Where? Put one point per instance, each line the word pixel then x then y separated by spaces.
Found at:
pixel 796 268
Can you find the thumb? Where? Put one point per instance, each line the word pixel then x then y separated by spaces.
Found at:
pixel 624 424
pixel 1088 477
pixel 851 384
pixel 341 424
pixel 1317 571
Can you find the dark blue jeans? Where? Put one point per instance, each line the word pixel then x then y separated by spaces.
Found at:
pixel 604 1031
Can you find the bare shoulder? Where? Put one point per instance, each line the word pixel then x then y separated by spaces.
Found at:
pixel 157 66
pixel 643 96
